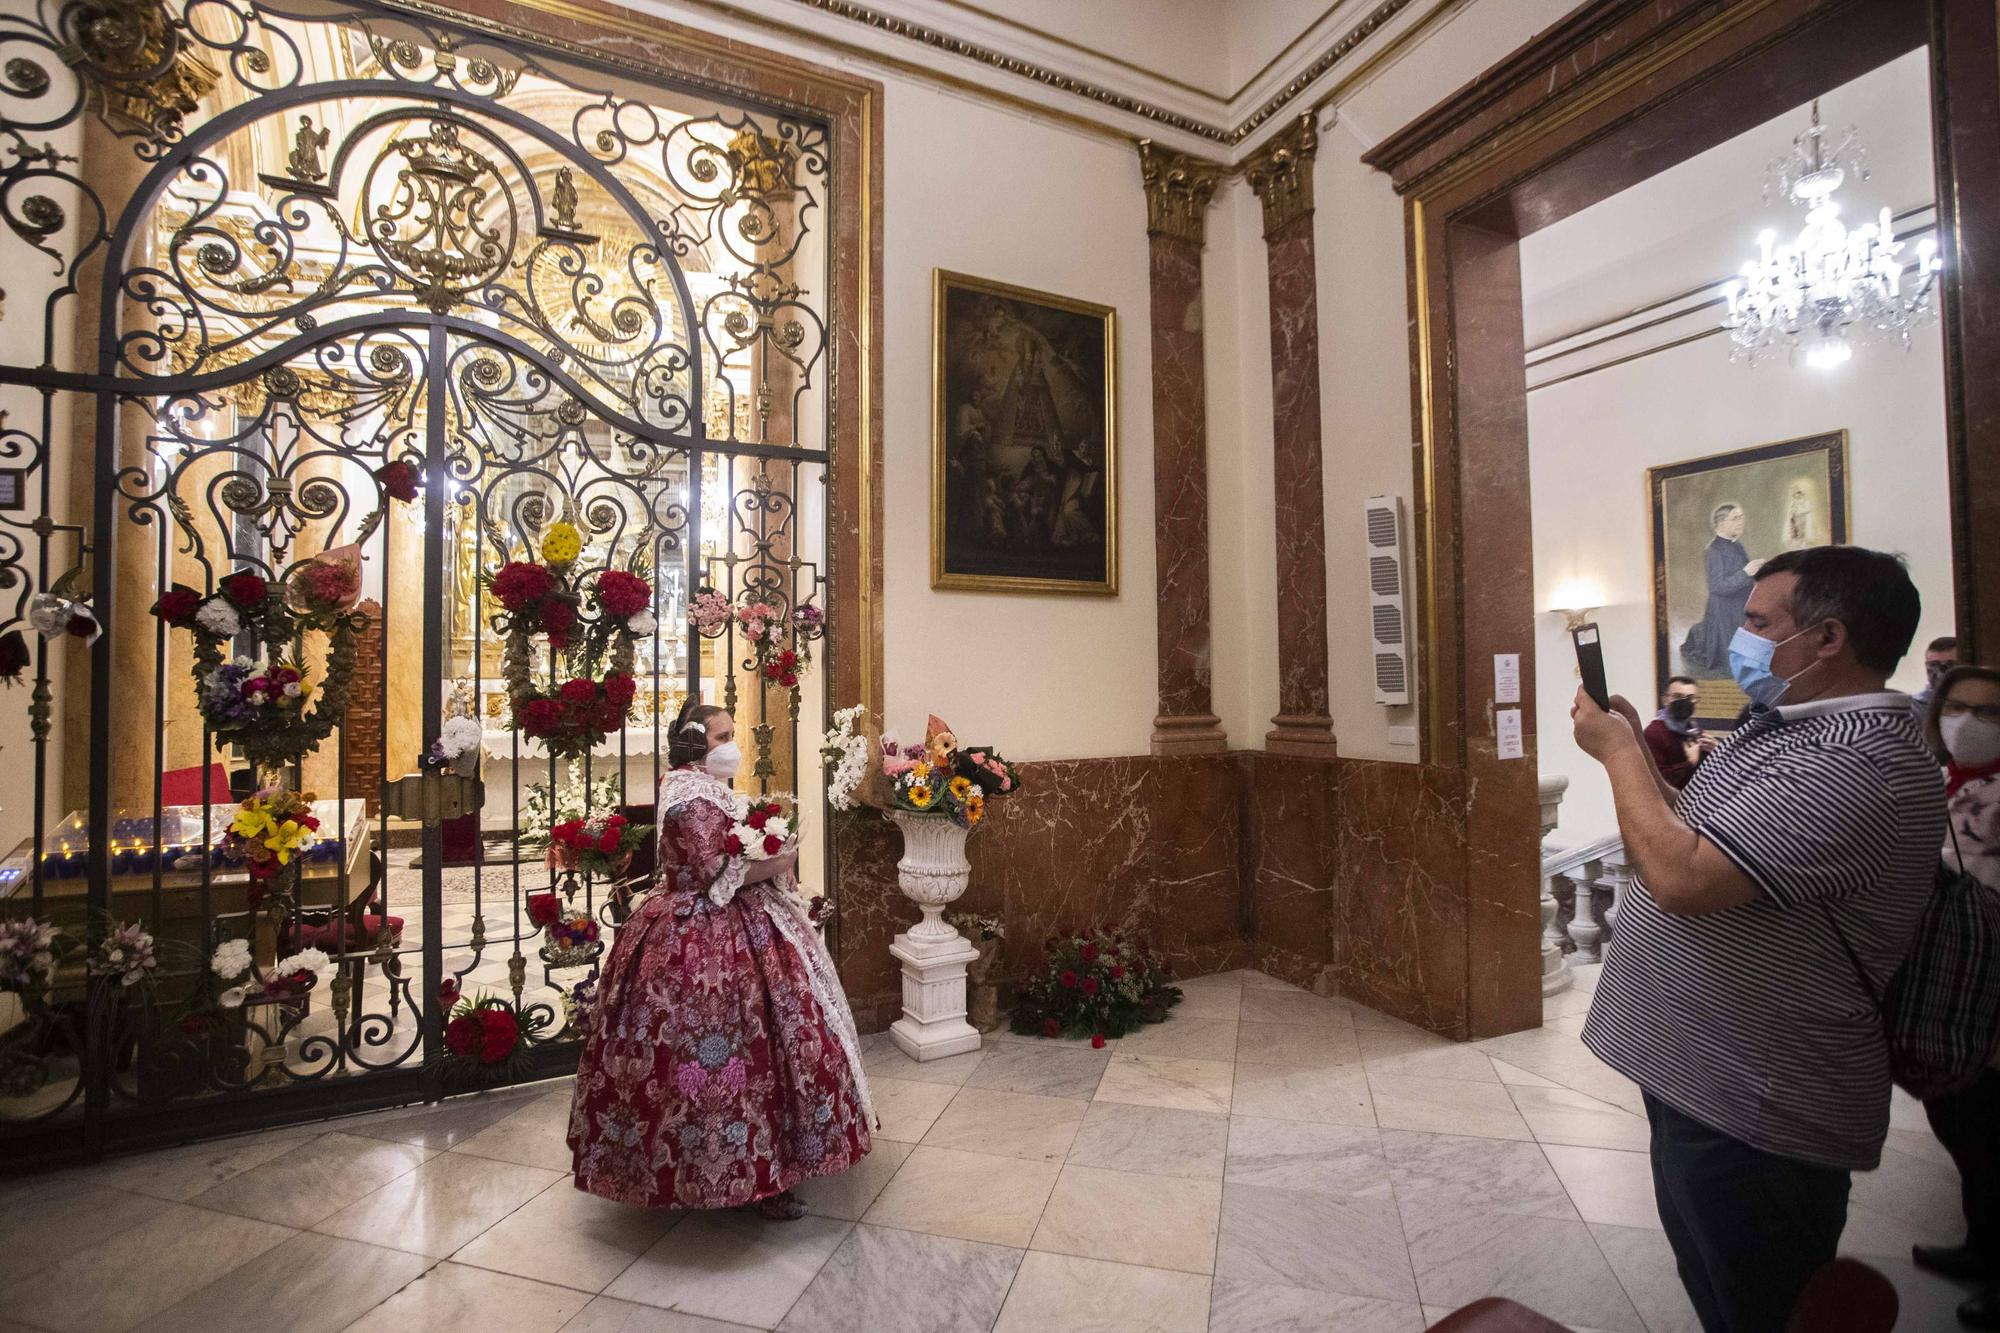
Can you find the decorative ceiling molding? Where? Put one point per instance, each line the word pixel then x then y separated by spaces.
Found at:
pixel 1227 135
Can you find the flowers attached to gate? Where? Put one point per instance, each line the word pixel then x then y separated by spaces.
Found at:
pixel 485 1041
pixel 399 480
pixel 600 844
pixel 269 830
pixel 125 954
pixel 28 950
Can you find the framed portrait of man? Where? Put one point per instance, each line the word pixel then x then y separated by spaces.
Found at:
pixel 1024 440
pixel 1715 521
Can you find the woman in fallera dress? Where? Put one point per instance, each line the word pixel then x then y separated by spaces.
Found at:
pixel 720 1066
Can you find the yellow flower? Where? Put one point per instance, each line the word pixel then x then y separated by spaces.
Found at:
pixel 562 543
pixel 975 808
pixel 252 821
pixel 920 770
pixel 920 795
pixel 960 789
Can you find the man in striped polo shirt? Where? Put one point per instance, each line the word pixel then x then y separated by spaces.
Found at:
pixel 1803 847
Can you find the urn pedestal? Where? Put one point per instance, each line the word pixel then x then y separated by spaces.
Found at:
pixel 932 874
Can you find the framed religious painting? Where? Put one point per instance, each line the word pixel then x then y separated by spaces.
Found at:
pixel 1715 521
pixel 1024 440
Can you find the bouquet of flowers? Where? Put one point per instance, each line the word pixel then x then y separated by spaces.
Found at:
pixel 269 830
pixel 764 827
pixel 457 746
pixel 297 974
pixel 1101 984
pixel 543 808
pixel 845 753
pixel 28 953
pixel 485 1041
pixel 125 953
pixel 599 845
pixel 579 1001
pixel 572 935
pixel 939 776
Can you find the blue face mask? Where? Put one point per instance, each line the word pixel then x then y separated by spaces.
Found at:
pixel 1750 663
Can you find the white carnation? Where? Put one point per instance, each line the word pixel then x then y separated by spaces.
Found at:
pixel 458 736
pixel 231 959
pixel 777 827
pixel 305 960
pixel 219 618
pixel 642 625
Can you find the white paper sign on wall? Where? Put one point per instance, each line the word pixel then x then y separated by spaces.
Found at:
pixel 1507 734
pixel 1506 678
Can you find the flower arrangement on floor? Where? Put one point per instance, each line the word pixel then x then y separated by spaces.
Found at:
pixel 599 844
pixel 266 707
pixel 485 1041
pixel 938 777
pixel 1100 984
pixel 572 936
pixel 570 717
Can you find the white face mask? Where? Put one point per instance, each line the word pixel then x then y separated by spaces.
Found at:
pixel 1973 743
pixel 723 761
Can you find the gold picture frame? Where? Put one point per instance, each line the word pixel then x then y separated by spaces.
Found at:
pixel 1024 440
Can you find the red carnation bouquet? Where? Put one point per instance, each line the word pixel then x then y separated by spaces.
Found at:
pixel 1103 983
pixel 485 1041
pixel 764 827
pixel 600 845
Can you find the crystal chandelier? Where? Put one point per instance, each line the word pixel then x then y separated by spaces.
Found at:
pixel 1814 298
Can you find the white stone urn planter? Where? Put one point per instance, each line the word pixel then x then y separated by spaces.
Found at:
pixel 932 874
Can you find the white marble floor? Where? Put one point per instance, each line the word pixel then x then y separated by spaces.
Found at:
pixel 1266 1162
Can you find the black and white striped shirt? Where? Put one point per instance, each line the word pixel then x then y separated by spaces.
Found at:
pixel 1752 1020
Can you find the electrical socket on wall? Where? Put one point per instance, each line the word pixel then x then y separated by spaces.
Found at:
pixel 1403 736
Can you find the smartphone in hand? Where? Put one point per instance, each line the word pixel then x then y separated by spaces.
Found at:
pixel 1590 663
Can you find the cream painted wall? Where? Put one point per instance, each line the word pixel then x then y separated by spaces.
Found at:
pixel 987 192
pixel 1592 440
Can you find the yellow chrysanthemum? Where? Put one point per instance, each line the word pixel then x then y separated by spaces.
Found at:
pixel 920 796
pixel 960 789
pixel 562 543
pixel 920 770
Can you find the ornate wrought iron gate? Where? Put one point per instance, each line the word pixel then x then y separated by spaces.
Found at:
pixel 333 314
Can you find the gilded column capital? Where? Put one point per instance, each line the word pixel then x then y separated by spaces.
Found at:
pixel 1281 173
pixel 1178 190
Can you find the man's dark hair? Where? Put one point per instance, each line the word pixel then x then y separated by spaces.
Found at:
pixel 1945 644
pixel 1868 591
pixel 1683 680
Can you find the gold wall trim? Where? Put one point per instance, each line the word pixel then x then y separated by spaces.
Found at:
pixel 1281 172
pixel 1179 189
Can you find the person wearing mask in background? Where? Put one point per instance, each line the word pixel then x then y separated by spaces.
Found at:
pixel 1940 657
pixel 1675 739
pixel 1727 993
pixel 1964 725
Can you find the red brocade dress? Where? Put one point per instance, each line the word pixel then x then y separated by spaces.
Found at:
pixel 721 1064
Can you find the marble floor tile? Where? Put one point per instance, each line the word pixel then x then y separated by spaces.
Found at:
pixel 569 1238
pixel 882 1058
pixel 1252 979
pixel 1046 1071
pixel 1222 1001
pixel 970 1196
pixel 1519 1078
pixel 314 1180
pixel 1152 1139
pixel 1288 1006
pixel 1062 1291
pixel 1188 1038
pixel 886 1281
pixel 320 1283
pixel 1423 1055
pixel 1306 1155
pixel 455 1299
pixel 1327 1242
pixel 1912 1189
pixel 535 1135
pixel 1446 1173
pixel 178 1250
pixel 1008 1124
pixel 1178 1085
pixel 1571 1003
pixel 1446 1106
pixel 1126 1217
pixel 44 1222
pixel 1333 1096
pixel 1919 1143
pixel 1364 1017
pixel 908 1110
pixel 1558 1115
pixel 1644 1263
pixel 1298 1045
pixel 732 1266
pixel 1607 1185
pixel 1267 1307
pixel 604 1315
pixel 1927 1300
pixel 848 1195
pixel 1549 1265
pixel 440 1126
pixel 178 1174
pixel 441 1205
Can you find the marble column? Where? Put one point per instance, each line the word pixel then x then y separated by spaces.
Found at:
pixel 1178 191
pixel 1281 174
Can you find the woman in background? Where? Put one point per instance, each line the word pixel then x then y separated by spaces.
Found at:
pixel 721 1065
pixel 1964 723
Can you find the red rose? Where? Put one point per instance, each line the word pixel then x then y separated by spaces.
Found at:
pixel 399 480
pixel 622 594
pixel 1067 981
pixel 580 692
pixel 771 670
pixel 543 908
pixel 1051 1028
pixel 244 588
pixel 461 1035
pixel 1090 985
pixel 758 817
pixel 1117 971
pixel 608 842
pixel 1097 1041
pixel 1090 953
pixel 788 680
pixel 620 689
pixel 733 845
pixel 558 619
pixel 177 605
pixel 520 584
pixel 448 993
pixel 773 844
pixel 498 1032
pixel 540 717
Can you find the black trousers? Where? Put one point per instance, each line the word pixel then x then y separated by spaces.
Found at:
pixel 1748 1228
pixel 1968 1125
